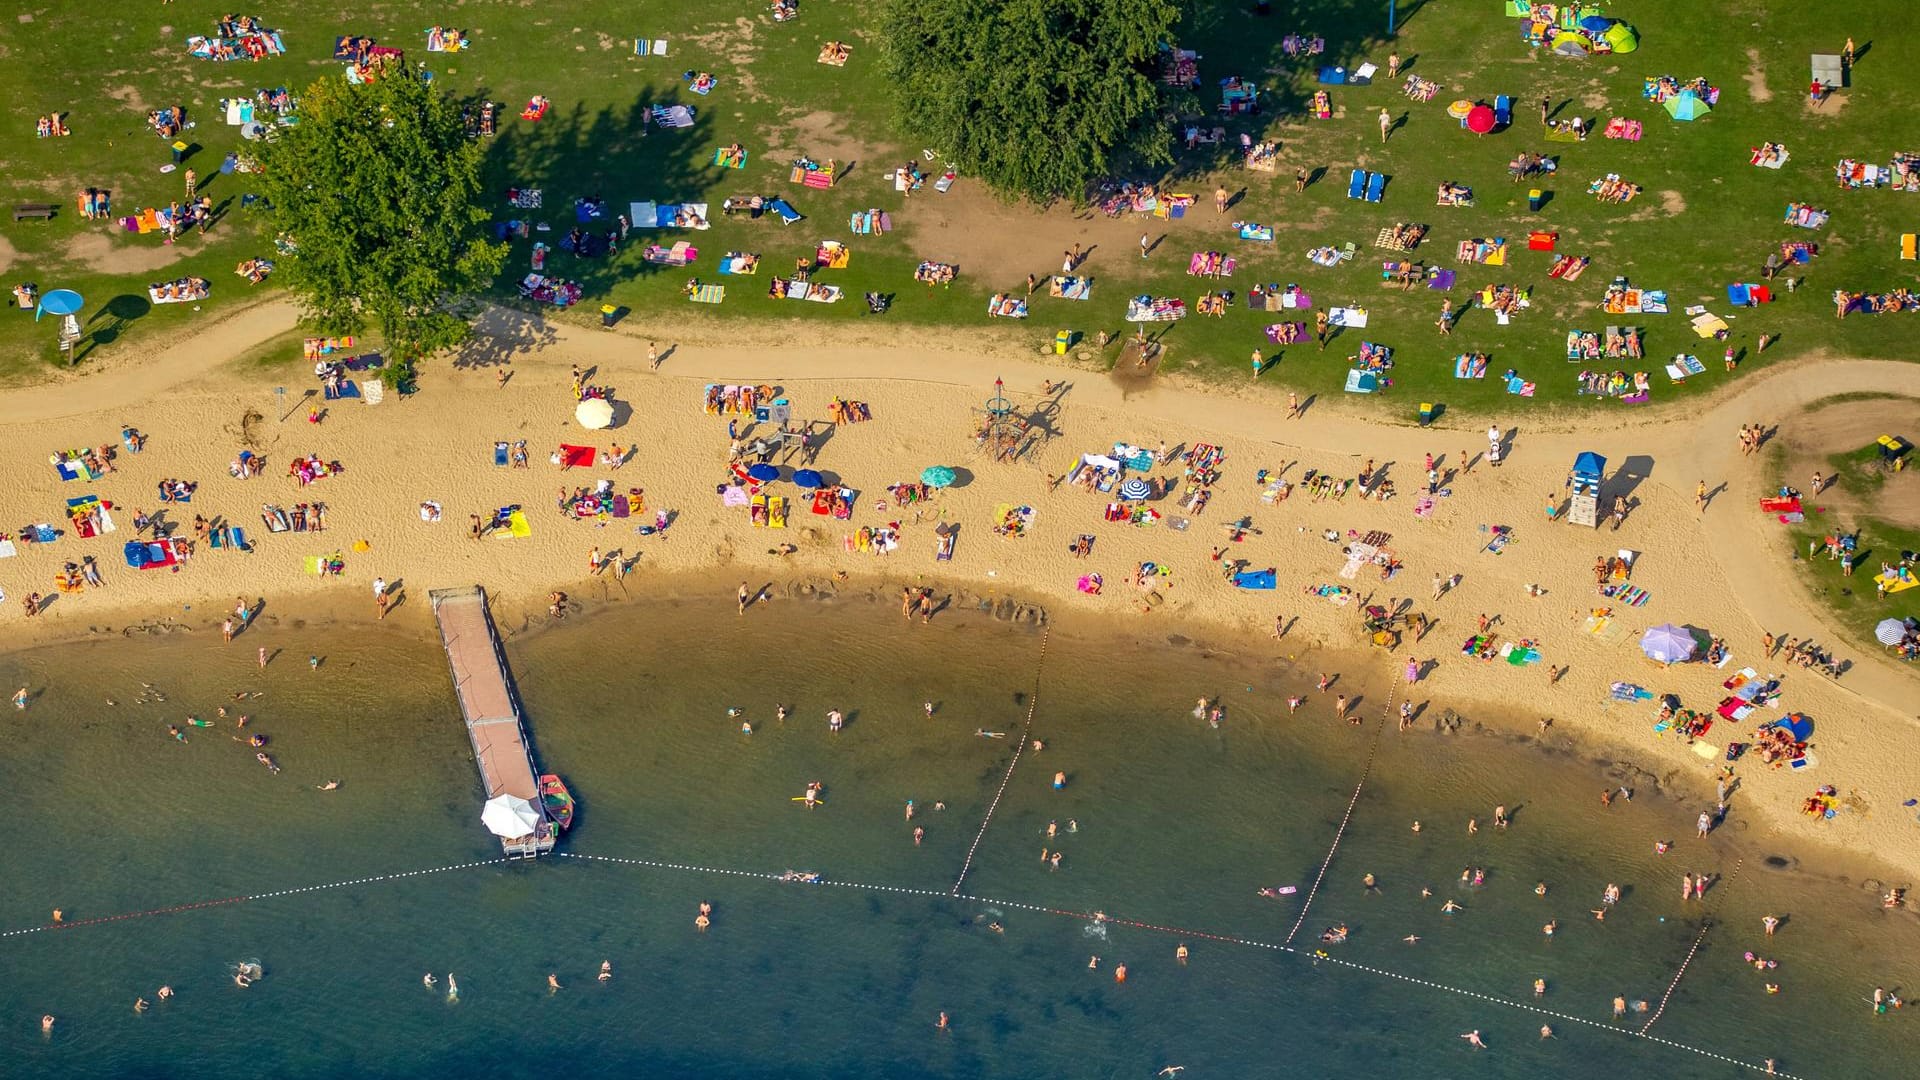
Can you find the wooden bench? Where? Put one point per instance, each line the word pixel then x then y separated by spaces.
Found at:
pixel 43 211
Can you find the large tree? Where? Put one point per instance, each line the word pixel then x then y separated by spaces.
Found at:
pixel 1035 97
pixel 378 189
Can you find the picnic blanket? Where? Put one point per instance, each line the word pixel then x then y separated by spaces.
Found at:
pixel 1251 231
pixel 737 263
pixel 651 215
pixel 673 116
pixel 1491 252
pixel 1155 309
pixel 1685 364
pixel 1007 306
pixel 707 294
pixel 1355 317
pixel 1070 288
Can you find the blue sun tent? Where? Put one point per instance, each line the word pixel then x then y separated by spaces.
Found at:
pixel 1686 105
pixel 1255 579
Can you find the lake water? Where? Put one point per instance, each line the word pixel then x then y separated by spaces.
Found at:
pixel 1178 826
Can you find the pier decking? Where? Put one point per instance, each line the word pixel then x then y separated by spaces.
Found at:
pixel 491 708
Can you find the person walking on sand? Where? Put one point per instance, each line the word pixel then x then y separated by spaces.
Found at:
pixel 1700 496
pixel 1705 824
pixel 1293 405
pixel 263 658
pixel 653 355
pixel 1300 178
pixel 594 562
pixel 1386 124
pixel 193 181
pixel 1320 325
pixel 744 596
pixel 1439 586
pixel 226 630
pixel 1340 707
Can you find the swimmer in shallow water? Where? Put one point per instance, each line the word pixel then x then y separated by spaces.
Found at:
pixel 427 980
pixel 606 971
pixel 1546 1031
pixel 164 993
pixel 1449 908
pixel 1411 939
pixel 1540 889
pixel 46 1024
pixel 1473 1040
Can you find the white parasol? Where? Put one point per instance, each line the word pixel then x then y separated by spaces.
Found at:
pixel 594 413
pixel 509 816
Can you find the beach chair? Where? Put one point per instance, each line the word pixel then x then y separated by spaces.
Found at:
pixel 1357 184
pixel 1376 186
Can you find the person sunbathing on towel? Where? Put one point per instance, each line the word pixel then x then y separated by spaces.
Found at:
pixel 703 82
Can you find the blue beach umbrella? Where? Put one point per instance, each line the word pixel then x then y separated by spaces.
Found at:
pixel 763 472
pixel 59 302
pixel 936 476
pixel 1668 644
pixel 807 478
pixel 1135 488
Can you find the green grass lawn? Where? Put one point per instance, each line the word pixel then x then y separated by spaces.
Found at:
pixel 1705 219
pixel 1853 599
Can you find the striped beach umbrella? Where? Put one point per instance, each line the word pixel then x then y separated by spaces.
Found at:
pixel 1135 488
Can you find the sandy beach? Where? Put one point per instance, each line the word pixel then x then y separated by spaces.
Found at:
pixel 1718 570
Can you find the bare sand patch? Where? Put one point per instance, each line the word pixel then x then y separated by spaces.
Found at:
pixel 1756 78
pixel 98 252
pixel 1843 427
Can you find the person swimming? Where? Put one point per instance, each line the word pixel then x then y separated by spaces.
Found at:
pixel 1411 939
pixel 1550 927
pixel 606 971
pixel 1333 935
pixel 427 980
pixel 1449 908
pixel 1539 987
pixel 780 713
pixel 1473 1040
pixel 553 983
pixel 46 1024
pixel 1540 889
pixel 1479 877
pixel 164 993
pixel 453 988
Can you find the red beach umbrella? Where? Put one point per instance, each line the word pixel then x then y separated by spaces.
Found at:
pixel 1480 119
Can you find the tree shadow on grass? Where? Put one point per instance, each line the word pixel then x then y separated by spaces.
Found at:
pixel 613 155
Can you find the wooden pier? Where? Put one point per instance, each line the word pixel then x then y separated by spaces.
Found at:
pixel 491 708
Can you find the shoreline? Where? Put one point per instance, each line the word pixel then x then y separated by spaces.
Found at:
pixel 436 445
pixel 520 617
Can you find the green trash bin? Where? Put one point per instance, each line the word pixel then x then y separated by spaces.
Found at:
pixel 1535 198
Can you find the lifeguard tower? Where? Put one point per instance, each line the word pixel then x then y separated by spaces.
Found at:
pixel 1584 489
